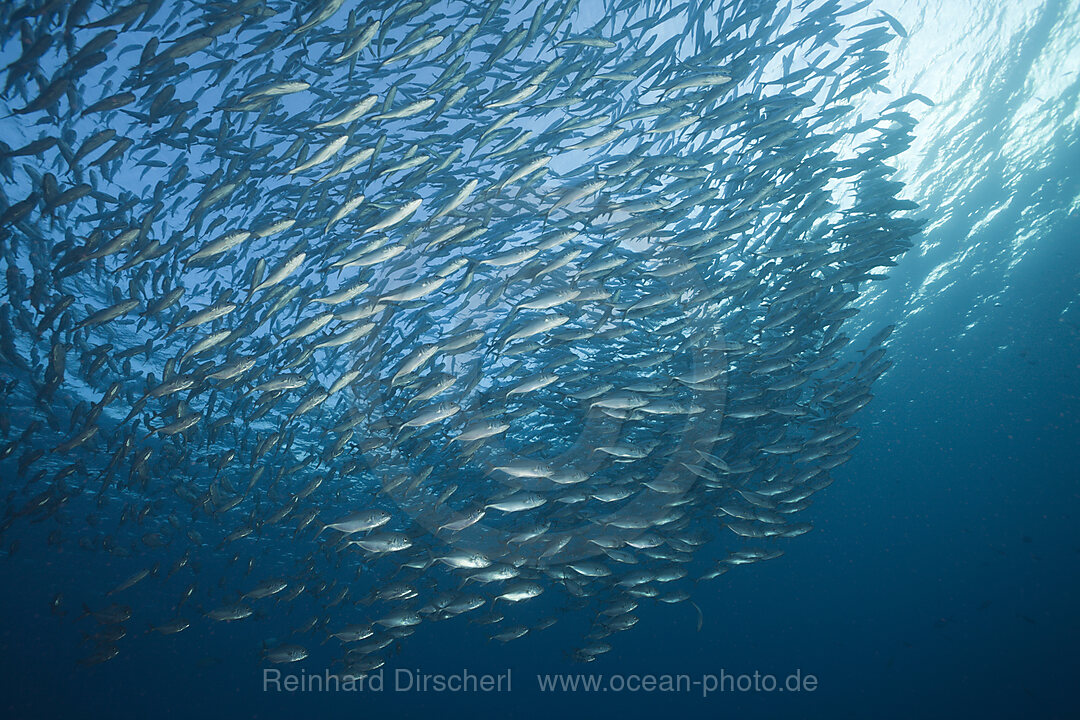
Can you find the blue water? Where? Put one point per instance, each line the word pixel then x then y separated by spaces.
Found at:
pixel 941 578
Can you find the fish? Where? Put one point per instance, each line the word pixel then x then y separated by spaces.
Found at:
pixel 372 319
pixel 360 521
pixel 229 613
pixel 286 654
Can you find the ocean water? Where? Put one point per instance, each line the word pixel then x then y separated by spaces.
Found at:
pixel 940 577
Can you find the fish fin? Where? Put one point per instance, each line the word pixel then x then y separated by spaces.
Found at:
pixel 700 616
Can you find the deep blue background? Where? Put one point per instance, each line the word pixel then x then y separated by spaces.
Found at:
pixel 941 579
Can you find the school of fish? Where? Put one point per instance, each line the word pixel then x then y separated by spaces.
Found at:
pixel 386 313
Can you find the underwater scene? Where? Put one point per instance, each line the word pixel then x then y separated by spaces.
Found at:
pixel 534 358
